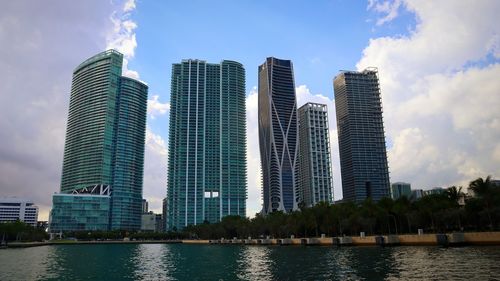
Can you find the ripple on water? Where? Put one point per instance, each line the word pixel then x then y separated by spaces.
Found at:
pixel 210 262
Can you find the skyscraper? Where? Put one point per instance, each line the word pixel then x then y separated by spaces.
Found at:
pixel 363 159
pixel 207 143
pixel 105 137
pixel 278 135
pixel 315 170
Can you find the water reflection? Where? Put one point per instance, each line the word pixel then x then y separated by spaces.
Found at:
pixel 425 263
pixel 153 262
pixel 231 262
pixel 372 263
pixel 254 263
pixel 39 260
pixel 341 263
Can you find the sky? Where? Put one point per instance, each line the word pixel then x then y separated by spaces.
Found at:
pixel 438 63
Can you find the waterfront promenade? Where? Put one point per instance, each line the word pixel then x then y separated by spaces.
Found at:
pixel 449 239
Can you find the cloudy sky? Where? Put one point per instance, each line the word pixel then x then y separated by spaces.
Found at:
pixel 438 61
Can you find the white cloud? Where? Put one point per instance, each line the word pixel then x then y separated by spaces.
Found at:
pixel 440 92
pixel 388 8
pixel 122 37
pixel 254 202
pixel 155 170
pixel 155 143
pixel 130 73
pixel 155 107
pixel 129 6
pixel 34 101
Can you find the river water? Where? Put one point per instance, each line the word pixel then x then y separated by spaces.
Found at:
pixel 232 262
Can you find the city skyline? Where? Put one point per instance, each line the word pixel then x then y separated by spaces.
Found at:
pixel 421 78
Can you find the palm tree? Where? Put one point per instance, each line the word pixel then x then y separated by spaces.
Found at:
pixel 401 208
pixel 387 206
pixel 368 211
pixel 454 193
pixel 483 189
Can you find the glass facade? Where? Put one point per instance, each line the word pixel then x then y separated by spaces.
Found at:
pixel 105 136
pixel 88 150
pixel 362 151
pixel 207 143
pixel 128 155
pixel 278 136
pixel 315 170
pixel 79 212
pixel 400 189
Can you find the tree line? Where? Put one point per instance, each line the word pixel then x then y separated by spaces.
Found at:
pixel 432 213
pixel 121 234
pixel 20 231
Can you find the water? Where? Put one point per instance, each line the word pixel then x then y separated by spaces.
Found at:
pixel 232 262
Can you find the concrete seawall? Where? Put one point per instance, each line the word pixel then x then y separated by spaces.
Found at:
pixel 450 239
pixel 417 240
pixel 482 238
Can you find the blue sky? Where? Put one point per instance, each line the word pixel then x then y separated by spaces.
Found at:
pixel 442 128
pixel 320 39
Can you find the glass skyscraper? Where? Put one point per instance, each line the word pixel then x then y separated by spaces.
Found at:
pixel 278 136
pixel 362 151
pixel 315 170
pixel 207 143
pixel 105 136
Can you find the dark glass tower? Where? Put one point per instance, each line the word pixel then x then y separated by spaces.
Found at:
pixel 207 143
pixel 278 135
pixel 105 136
pixel 363 158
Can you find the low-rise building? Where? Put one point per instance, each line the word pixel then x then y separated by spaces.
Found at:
pixel 148 222
pixel 159 225
pixel 400 189
pixel 18 209
pixel 434 190
pixel 416 194
pixel 87 209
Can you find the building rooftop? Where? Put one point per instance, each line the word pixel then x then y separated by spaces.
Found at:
pixel 14 199
pixel 96 58
pixel 367 70
pixel 312 104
